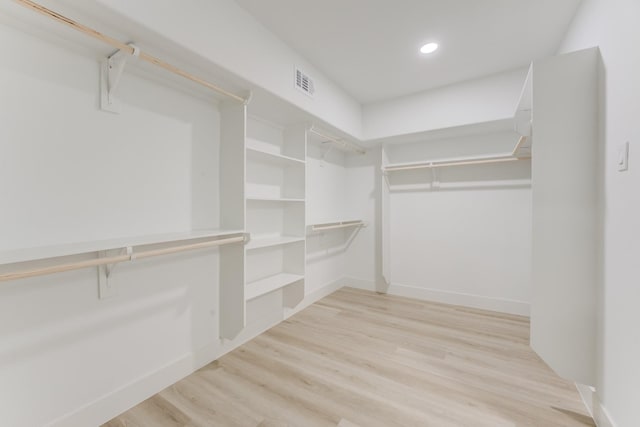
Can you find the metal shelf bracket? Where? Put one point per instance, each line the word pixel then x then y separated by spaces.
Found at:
pixel 111 73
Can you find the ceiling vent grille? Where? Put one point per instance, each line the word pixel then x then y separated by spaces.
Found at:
pixel 304 83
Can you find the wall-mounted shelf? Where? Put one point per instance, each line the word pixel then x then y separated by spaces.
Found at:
pixel 273 199
pixel 129 255
pixel 337 225
pixel 341 143
pixel 518 153
pixel 459 161
pixel 267 242
pixel 269 284
pixel 259 155
pixel 267 139
pixel 54 251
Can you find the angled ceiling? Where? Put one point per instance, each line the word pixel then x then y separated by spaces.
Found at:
pixel 371 47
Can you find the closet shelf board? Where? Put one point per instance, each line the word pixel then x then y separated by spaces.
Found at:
pixel 53 251
pixel 272 158
pixel 272 241
pixel 273 199
pixel 446 160
pixel 272 283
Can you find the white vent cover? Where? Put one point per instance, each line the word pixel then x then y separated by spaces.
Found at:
pixel 304 83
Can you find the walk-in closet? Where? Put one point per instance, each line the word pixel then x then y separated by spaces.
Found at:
pixel 304 213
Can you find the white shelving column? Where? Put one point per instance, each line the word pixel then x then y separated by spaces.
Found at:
pixel 275 201
pixel 565 213
pixel 232 215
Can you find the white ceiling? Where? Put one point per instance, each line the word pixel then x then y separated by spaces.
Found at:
pixel 371 47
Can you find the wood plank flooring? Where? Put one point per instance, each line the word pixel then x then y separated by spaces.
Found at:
pixel 358 358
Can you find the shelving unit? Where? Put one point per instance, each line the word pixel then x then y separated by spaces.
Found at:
pixel 275 202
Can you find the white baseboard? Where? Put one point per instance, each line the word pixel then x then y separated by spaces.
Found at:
pixel 476 301
pixel 317 295
pixel 118 401
pixel 596 409
pixel 601 416
pixel 367 285
pixel 102 410
pixel 588 395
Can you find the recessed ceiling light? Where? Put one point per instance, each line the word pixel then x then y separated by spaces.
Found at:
pixel 429 48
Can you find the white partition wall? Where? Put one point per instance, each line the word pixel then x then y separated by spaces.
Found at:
pixel 565 225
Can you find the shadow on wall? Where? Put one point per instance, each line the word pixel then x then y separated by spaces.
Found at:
pixel 70 312
pixel 326 244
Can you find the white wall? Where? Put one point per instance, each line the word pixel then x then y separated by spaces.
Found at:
pixel 467 242
pixel 612 25
pixel 64 162
pixel 326 202
pixel 363 260
pixel 224 33
pixel 491 98
pixel 229 39
pixel 71 172
pixel 467 238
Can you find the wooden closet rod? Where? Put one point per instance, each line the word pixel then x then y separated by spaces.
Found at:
pixel 461 162
pixel 116 259
pixel 453 163
pixel 348 145
pixel 125 48
pixel 331 226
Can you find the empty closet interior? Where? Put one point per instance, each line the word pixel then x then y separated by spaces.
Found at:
pixel 162 206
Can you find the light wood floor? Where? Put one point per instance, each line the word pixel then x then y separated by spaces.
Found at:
pixel 358 358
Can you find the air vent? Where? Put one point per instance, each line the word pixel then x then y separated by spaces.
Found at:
pixel 304 83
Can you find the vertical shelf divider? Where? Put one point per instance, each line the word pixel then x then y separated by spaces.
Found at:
pixel 296 137
pixel 232 214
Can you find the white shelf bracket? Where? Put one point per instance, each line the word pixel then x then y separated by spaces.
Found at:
pixel 105 288
pixel 111 73
pixel 325 153
pixel 247 98
pixel 435 183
